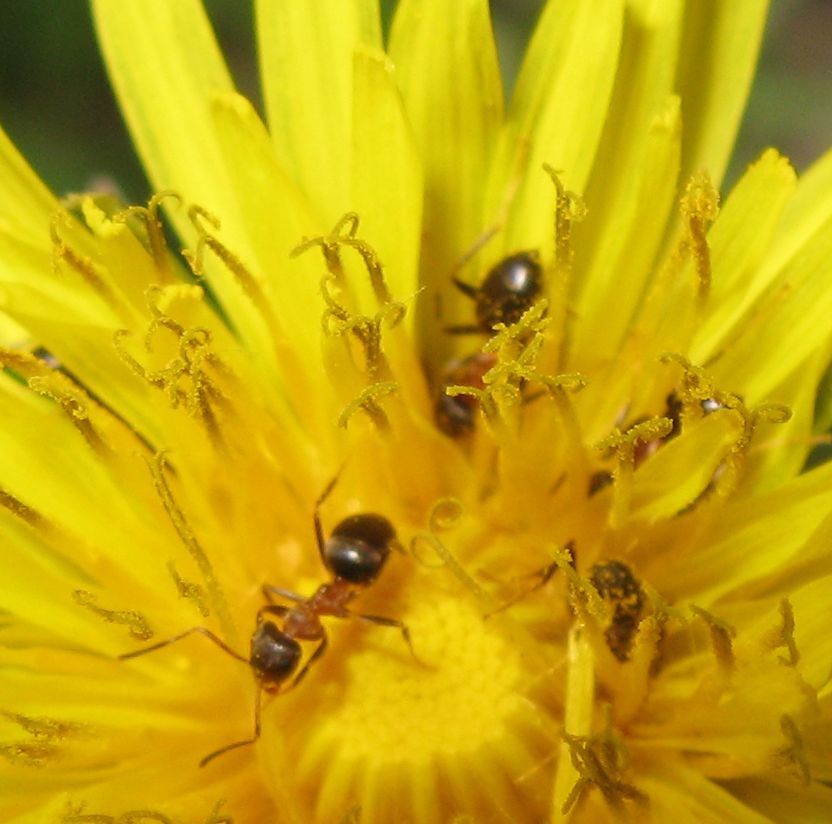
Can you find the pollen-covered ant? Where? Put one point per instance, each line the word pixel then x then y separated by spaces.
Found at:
pixel 617 584
pixel 509 289
pixel 355 554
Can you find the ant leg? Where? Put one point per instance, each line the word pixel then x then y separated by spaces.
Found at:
pixel 319 651
pixel 228 747
pixel 271 609
pixel 465 288
pixel 473 250
pixel 545 576
pixel 201 630
pixel 383 621
pixel 269 590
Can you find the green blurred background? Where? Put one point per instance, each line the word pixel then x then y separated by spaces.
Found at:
pixel 56 104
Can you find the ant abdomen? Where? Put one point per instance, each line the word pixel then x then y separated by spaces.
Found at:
pixel 358 547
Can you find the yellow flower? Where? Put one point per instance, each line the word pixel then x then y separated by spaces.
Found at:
pixel 612 594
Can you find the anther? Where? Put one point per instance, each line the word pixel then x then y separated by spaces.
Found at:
pixel 367 402
pixel 135 621
pixel 794 753
pixel 72 403
pixel 625 445
pixel 149 216
pixel 22 510
pixel 445 514
pixel 183 529
pixel 699 208
pixel 722 636
pixel 188 589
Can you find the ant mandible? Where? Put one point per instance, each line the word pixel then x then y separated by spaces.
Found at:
pixel 355 554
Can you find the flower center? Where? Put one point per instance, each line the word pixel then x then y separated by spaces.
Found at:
pixel 449 720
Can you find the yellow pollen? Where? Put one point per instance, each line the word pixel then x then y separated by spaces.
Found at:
pixel 391 719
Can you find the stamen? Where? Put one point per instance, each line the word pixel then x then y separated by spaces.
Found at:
pixel 214 816
pixel 188 589
pixel 699 209
pixel 202 395
pixel 625 444
pixel 569 210
pixel 794 754
pixel 78 816
pixel 73 403
pixel 344 234
pixel 722 636
pixel 444 515
pixel 248 283
pixel 337 321
pixel 188 538
pixel 337 318
pixel 62 253
pixel 23 511
pixel 29 753
pixel 135 621
pixel 366 401
pixel 597 760
pixel 23 363
pixel 43 727
pixel 698 387
pixel 785 634
pixel 149 216
pixel 32 365
pixel 517 348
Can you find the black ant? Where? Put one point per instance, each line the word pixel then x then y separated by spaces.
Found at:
pixel 355 553
pixel 509 289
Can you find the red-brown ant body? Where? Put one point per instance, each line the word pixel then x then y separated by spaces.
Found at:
pixel 455 415
pixel 355 554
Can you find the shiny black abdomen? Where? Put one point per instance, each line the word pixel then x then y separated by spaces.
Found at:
pixel 358 547
pixel 509 289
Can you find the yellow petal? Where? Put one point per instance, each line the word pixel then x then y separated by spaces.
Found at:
pixel 789 323
pixel 277 216
pixel 808 210
pixel 164 64
pixel 781 454
pixel 26 205
pixel 784 799
pixel 739 241
pixel 386 175
pixel 306 53
pixel 166 68
pixel 617 268
pixel 683 795
pixel 719 53
pixel 558 110
pixel 630 157
pixel 446 68
pixel 750 539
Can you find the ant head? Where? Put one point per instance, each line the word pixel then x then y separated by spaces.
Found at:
pixel 509 289
pixel 357 548
pixel 274 655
